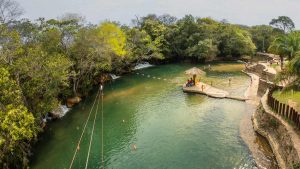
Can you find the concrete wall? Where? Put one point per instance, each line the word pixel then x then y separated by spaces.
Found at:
pixel 260 70
pixel 263 86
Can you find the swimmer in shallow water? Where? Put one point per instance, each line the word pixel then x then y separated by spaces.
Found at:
pixel 133 146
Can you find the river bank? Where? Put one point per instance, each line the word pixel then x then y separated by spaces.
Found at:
pixel 259 146
pixel 282 138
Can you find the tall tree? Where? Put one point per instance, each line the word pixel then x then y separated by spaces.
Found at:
pixel 9 11
pixel 262 36
pixel 286 46
pixel 141 46
pixel 283 23
pixel 17 124
pixel 10 44
pixel 42 77
pixel 96 50
pixel 234 41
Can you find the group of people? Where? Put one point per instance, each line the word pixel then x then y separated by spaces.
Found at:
pixel 190 82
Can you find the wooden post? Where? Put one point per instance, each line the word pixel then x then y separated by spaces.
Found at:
pixel 277 106
pixel 290 114
pixel 297 120
pixel 280 108
pixel 283 110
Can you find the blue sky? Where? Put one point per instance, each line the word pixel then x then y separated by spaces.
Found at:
pixel 247 12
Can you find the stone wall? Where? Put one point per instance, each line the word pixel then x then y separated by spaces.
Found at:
pixel 279 139
pixel 282 137
pixel 261 71
pixel 263 86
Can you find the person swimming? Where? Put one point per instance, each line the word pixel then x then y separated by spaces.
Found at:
pixel 133 146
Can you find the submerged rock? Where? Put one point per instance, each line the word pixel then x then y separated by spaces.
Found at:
pixel 72 101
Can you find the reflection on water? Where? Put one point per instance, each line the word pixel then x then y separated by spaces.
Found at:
pixel 171 129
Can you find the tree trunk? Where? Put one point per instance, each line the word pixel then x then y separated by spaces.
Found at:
pixel 74 87
pixel 281 62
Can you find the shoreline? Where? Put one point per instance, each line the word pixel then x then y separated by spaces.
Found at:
pixel 257 144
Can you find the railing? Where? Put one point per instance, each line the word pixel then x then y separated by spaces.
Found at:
pixel 282 109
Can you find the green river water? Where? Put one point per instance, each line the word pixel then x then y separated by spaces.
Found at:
pixel 170 129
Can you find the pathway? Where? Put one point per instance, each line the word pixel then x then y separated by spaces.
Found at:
pixel 208 90
pixel 261 155
pixel 269 68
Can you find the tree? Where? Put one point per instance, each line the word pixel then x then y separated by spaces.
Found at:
pixel 283 23
pixel 42 77
pixel 262 36
pixel 203 50
pixel 286 46
pixel 96 50
pixel 233 41
pixel 111 36
pixel 183 35
pixel 141 45
pixel 167 19
pixel 9 11
pixel 10 45
pixel 17 124
pixel 294 65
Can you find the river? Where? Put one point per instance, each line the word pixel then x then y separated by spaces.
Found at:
pixel 170 129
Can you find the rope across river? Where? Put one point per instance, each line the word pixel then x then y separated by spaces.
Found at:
pixel 99 91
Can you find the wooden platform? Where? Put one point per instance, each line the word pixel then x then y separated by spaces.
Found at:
pixel 210 91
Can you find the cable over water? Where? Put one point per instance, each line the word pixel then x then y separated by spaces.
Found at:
pixel 83 130
pixel 92 134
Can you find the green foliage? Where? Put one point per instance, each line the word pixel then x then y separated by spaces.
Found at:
pixel 283 23
pixel 294 65
pixel 233 41
pixel 112 37
pixel 203 50
pixel 273 123
pixel 96 50
pixel 141 46
pixel 17 124
pixel 262 36
pixel 41 76
pixel 10 45
pixel 286 46
pixel 296 165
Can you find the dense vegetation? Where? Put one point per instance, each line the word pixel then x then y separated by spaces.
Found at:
pixel 43 62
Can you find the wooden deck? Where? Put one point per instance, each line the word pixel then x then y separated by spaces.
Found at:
pixel 210 91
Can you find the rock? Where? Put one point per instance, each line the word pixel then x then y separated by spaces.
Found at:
pixel 72 101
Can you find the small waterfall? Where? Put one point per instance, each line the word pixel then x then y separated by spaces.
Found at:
pixel 61 111
pixel 142 66
pixel 114 77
